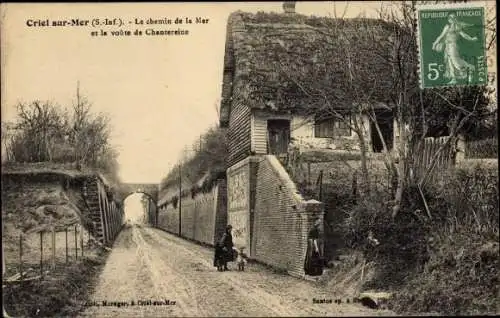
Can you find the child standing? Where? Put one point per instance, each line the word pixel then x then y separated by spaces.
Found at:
pixel 241 258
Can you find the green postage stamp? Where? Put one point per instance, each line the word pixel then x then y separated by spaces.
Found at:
pixel 451 40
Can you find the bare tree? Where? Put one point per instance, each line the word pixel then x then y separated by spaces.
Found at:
pixel 89 132
pixel 38 127
pixel 45 132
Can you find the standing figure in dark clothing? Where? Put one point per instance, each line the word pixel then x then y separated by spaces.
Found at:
pixel 313 264
pixel 218 257
pixel 224 250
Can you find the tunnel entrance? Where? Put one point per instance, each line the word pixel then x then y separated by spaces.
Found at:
pixel 139 208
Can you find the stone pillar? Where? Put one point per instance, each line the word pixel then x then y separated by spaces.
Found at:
pixel 240 201
pixel 311 210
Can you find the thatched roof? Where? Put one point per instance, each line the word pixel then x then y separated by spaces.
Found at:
pixel 271 54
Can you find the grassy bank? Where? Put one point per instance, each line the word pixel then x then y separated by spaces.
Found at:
pixel 460 278
pixel 62 292
pixel 445 263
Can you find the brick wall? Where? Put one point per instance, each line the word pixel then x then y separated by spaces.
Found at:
pixel 168 219
pixel 187 217
pixel 221 210
pixel 203 217
pixel 282 218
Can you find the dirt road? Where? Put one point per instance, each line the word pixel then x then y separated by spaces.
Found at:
pixel 148 265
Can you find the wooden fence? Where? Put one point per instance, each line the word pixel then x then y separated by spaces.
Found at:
pixel 433 155
pixel 42 252
pixel 439 154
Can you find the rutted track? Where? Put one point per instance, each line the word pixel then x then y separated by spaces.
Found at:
pixel 148 264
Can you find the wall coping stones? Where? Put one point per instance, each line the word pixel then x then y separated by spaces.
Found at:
pixel 285 178
pixel 239 164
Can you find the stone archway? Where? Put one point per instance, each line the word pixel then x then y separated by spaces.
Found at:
pixel 152 198
pixel 150 190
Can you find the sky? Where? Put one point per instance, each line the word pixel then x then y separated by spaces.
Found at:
pixel 161 92
pixel 134 211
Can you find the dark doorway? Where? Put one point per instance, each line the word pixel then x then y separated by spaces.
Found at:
pixel 386 124
pixel 278 136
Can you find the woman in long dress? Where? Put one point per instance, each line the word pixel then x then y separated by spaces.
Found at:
pixel 455 66
pixel 313 264
pixel 224 250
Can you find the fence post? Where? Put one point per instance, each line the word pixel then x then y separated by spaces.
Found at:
pixel 320 184
pixel 66 234
pixel 41 253
pixel 21 256
pixel 53 248
pixel 309 173
pixel 81 238
pixel 354 187
pixel 76 245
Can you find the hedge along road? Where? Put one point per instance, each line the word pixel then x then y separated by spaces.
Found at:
pixel 151 273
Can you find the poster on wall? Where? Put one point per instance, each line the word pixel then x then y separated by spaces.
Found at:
pixel 237 190
pixel 239 221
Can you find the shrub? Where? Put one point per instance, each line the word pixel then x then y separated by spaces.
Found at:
pixel 210 157
pixel 461 277
pixel 46 132
pixel 61 296
pixel 402 245
pixel 486 148
pixel 460 274
pixel 471 197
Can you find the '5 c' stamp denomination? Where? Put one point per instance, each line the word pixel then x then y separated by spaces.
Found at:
pixel 451 41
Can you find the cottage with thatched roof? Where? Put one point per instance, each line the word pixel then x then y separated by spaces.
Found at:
pixel 281 70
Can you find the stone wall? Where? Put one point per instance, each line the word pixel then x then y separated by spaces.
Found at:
pixel 38 202
pixel 53 199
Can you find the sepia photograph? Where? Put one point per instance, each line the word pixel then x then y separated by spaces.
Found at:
pixel 249 159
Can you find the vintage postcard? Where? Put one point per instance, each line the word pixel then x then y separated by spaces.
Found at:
pixel 222 159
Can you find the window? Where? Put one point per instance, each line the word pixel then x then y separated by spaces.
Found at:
pixel 343 127
pixel 332 127
pixel 323 128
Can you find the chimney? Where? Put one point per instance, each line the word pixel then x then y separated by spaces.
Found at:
pixel 289 7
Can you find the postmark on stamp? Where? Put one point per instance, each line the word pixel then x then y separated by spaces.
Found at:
pixel 451 41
